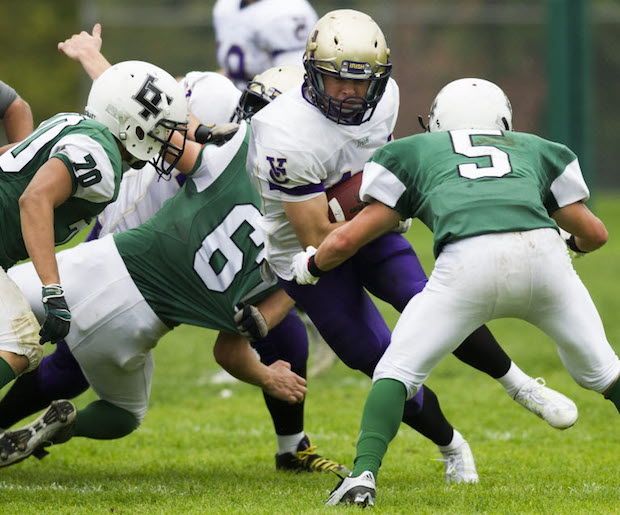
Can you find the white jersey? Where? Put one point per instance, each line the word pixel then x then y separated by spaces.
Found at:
pixel 261 35
pixel 296 153
pixel 212 98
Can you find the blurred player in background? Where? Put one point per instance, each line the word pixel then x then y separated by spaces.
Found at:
pixel 494 199
pixel 15 114
pixel 309 140
pixel 61 176
pixel 254 35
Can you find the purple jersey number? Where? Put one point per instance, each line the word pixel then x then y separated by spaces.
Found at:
pixel 235 63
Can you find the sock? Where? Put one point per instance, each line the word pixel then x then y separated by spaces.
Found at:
pixel 382 415
pixel 513 380
pixel 6 373
pixel 455 443
pixel 288 443
pixel 24 398
pixel 429 420
pixel 101 420
pixel 613 394
pixel 481 351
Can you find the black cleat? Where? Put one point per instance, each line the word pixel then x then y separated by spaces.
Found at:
pixel 307 460
pixel 54 426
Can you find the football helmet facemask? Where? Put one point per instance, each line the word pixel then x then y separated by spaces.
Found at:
pixel 142 105
pixel 347 44
pixel 470 104
pixel 265 87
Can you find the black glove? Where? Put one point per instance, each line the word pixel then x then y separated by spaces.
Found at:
pixel 57 315
pixel 250 322
pixel 215 134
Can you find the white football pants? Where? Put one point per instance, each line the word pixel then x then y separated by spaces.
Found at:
pixel 526 275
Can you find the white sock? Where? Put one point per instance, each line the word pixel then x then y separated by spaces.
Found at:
pixel 514 379
pixel 288 443
pixel 456 442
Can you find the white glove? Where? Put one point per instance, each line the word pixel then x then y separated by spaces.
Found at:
pixel 403 226
pixel 250 322
pixel 300 267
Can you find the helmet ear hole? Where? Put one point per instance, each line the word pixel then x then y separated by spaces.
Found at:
pixel 140 133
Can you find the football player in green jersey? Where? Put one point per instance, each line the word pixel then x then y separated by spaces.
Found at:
pixel 494 199
pixel 54 181
pixel 192 262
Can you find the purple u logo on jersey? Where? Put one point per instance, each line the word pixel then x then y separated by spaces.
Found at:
pixel 278 170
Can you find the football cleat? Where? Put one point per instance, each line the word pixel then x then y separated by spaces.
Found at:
pixel 306 459
pixel 358 490
pixel 553 407
pixel 52 427
pixel 459 465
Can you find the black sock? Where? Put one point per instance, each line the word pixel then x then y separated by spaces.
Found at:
pixel 430 420
pixel 481 351
pixel 24 398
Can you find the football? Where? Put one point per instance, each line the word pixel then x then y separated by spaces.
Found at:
pixel 343 199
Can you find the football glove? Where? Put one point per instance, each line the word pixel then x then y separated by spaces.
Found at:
pixel 574 251
pixel 215 134
pixel 57 315
pixel 250 322
pixel 403 226
pixel 302 265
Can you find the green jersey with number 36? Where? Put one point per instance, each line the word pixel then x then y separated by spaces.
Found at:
pixel 465 183
pixel 93 159
pixel 200 254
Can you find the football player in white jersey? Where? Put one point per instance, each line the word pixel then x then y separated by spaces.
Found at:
pixel 309 140
pixel 254 35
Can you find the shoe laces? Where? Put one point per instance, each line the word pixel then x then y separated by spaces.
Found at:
pixel 533 390
pixel 314 461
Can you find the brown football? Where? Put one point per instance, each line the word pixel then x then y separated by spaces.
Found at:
pixel 344 200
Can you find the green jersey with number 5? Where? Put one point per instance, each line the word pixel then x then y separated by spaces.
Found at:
pixel 93 159
pixel 200 254
pixel 469 182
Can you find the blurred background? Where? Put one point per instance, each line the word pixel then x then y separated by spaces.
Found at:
pixel 557 60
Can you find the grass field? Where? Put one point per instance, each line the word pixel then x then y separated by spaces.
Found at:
pixel 209 449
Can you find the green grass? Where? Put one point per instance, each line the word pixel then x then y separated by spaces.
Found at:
pixel 199 451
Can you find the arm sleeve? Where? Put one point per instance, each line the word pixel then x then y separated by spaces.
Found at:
pixel 567 183
pixel 93 175
pixel 7 97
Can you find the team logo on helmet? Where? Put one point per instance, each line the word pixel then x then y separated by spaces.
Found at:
pixel 149 97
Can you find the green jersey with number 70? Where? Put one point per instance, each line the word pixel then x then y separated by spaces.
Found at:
pixel 93 159
pixel 200 254
pixel 469 182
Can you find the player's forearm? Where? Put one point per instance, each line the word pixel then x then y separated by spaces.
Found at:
pixel 37 223
pixel 18 121
pixel 93 62
pixel 235 355
pixel 275 307
pixel 336 249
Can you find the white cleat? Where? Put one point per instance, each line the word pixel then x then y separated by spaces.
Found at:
pixel 358 490
pixel 459 465
pixel 553 407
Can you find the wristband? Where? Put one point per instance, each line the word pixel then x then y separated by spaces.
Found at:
pixel 202 134
pixel 573 245
pixel 313 267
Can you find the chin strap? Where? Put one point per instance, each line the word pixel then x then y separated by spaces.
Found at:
pixel 421 122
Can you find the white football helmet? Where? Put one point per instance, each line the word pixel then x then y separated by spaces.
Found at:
pixel 211 96
pixel 142 105
pixel 470 104
pixel 265 87
pixel 347 44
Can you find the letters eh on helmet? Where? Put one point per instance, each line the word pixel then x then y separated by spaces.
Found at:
pixel 347 44
pixel 142 105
